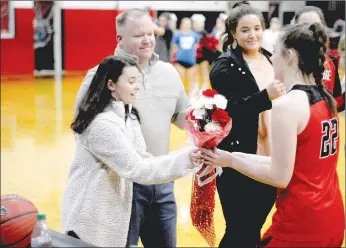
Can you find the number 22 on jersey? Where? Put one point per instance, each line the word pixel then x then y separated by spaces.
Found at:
pixel 330 133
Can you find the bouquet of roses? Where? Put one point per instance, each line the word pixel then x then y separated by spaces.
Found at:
pixel 207 124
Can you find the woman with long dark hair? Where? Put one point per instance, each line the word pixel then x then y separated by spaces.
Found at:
pixel 111 155
pixel 305 141
pixel 245 75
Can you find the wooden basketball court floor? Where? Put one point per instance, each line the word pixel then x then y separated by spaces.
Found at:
pixel 37 147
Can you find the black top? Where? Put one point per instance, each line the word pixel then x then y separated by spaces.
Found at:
pixel 232 77
pixel 311 91
pixel 168 36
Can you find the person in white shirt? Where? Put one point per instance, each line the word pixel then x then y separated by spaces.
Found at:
pixel 270 34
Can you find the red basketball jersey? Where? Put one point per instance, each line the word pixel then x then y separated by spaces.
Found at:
pixel 329 73
pixel 311 207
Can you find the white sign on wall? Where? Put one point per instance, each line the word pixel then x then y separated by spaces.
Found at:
pixel 155 5
pixel 177 5
pixel 162 5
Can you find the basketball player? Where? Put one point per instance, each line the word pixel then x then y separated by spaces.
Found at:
pixel 341 99
pixel 305 142
pixel 331 79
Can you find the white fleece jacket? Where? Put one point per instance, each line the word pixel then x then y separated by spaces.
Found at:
pixel 110 155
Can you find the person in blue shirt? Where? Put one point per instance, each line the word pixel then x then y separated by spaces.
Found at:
pixel 185 44
pixel 202 68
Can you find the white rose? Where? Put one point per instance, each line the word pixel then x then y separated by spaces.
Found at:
pixel 220 101
pixel 196 104
pixel 207 101
pixel 212 127
pixel 199 113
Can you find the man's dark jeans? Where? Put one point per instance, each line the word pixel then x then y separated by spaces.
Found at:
pixel 154 216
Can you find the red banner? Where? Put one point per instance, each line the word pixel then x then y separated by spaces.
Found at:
pixel 7 19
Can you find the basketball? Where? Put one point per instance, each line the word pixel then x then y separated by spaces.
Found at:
pixel 18 218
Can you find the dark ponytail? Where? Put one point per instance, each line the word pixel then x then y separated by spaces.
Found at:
pixel 238 10
pixel 320 37
pixel 310 43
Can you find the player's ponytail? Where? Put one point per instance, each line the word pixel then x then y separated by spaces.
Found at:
pixel 309 41
pixel 320 39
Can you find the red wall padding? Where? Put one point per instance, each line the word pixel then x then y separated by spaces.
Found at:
pixel 89 36
pixel 17 55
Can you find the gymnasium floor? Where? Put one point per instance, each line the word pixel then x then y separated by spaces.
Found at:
pixel 37 147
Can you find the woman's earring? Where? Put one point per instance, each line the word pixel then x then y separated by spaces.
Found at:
pixel 234 44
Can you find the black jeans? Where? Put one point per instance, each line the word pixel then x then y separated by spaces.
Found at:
pixel 246 204
pixel 153 216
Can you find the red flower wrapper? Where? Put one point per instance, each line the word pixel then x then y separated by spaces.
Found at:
pixel 206 125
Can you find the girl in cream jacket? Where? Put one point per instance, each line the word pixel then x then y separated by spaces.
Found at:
pixel 110 155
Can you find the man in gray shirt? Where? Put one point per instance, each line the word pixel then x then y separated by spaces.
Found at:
pixel 161 101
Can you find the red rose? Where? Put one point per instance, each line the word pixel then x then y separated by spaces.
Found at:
pixel 209 93
pixel 221 116
pixel 190 116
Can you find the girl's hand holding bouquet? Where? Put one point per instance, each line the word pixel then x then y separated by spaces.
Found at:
pixel 207 124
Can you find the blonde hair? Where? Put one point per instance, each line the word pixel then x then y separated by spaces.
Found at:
pixel 120 20
pixel 198 18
